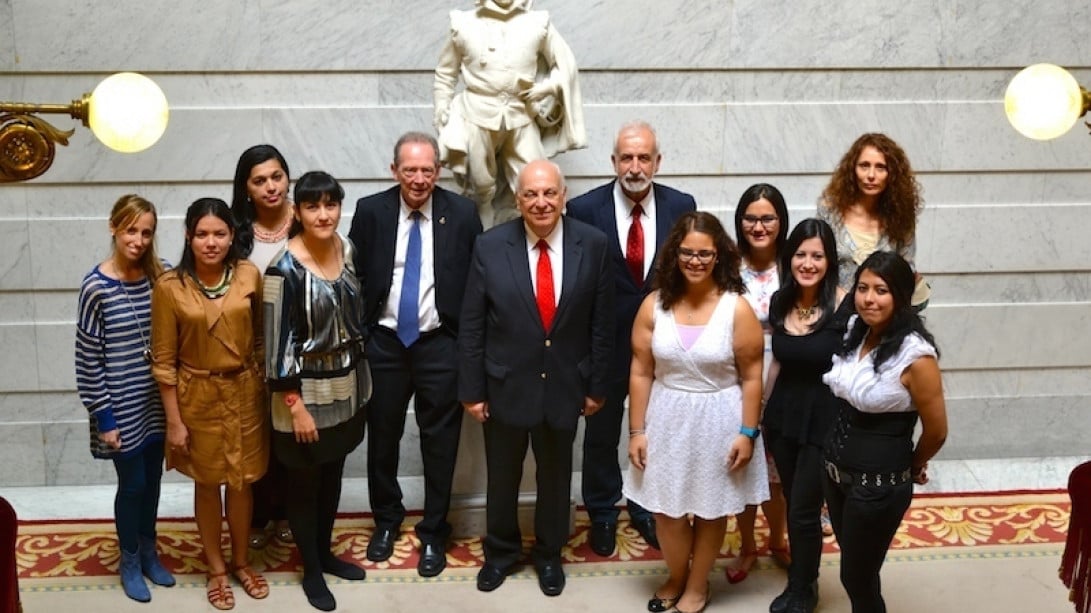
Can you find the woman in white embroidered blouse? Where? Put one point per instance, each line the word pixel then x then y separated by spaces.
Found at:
pixel 886 377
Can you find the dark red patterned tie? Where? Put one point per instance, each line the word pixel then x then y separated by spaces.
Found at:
pixel 547 306
pixel 634 247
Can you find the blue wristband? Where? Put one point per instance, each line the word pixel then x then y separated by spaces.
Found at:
pixel 751 433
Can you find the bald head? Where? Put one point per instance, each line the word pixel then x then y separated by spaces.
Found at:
pixel 541 196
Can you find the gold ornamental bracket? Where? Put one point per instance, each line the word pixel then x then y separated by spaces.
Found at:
pixel 127 112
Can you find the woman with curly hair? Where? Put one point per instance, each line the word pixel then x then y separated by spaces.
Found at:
pixel 694 405
pixel 872 203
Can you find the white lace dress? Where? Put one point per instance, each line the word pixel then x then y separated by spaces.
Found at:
pixel 694 413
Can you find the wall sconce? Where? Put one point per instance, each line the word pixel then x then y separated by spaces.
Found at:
pixel 1044 101
pixel 126 111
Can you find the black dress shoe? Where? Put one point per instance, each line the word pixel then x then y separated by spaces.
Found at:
pixel 646 527
pixel 381 545
pixel 433 559
pixel 490 577
pixel 551 578
pixel 603 537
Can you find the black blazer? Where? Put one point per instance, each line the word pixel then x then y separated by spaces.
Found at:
pixel 527 376
pixel 374 232
pixel 596 207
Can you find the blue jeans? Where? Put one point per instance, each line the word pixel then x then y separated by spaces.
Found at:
pixel 136 504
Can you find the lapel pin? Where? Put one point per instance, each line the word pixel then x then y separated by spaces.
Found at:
pixel 442 220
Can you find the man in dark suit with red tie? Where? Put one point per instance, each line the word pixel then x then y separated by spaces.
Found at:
pixel 535 340
pixel 413 246
pixel 636 215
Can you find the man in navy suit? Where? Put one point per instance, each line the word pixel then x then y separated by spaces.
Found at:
pixel 413 246
pixel 536 337
pixel 633 244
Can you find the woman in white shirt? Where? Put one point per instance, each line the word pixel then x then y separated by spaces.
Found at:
pixel 886 377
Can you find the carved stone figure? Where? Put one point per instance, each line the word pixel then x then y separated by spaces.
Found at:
pixel 520 102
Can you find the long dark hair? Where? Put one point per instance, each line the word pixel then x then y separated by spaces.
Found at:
pixel 782 302
pixel 241 206
pixel 201 208
pixel 750 196
pixel 900 279
pixel 725 272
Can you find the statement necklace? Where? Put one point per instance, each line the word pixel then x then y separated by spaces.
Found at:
pixel 218 290
pixel 805 313
pixel 276 235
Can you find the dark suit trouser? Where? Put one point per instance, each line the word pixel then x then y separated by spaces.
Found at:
pixel 601 470
pixel 427 371
pixel 505 449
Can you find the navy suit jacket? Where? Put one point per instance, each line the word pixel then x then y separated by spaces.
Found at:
pixel 596 207
pixel 455 226
pixel 530 377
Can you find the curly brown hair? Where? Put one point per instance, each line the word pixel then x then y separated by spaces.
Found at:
pixel 900 202
pixel 725 272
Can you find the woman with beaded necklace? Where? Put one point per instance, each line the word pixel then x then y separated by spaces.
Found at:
pixel 206 355
pixel 263 218
pixel 115 384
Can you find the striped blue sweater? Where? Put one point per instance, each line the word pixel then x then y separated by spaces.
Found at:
pixel 114 380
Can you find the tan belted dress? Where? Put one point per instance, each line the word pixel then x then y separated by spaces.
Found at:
pixel 212 351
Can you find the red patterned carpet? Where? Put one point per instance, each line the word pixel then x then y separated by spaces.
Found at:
pixel 1000 523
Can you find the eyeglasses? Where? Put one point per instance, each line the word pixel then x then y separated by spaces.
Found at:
pixel 764 220
pixel 703 256
pixel 411 172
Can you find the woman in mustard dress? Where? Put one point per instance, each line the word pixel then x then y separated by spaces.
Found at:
pixel 206 356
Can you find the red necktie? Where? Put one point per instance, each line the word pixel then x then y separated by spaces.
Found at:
pixel 634 247
pixel 547 306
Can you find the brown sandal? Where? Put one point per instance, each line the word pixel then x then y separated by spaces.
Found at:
pixel 219 591
pixel 252 583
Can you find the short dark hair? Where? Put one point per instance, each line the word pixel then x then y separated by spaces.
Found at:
pixel 312 187
pixel 725 272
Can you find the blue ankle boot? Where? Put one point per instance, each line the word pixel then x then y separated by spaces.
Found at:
pixel 131 579
pixel 151 566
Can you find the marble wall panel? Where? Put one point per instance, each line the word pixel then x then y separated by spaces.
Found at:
pixel 19 359
pixel 1027 238
pixel 17 306
pixel 7 36
pixel 68 460
pixel 143 36
pixel 44 407
pixel 1016 427
pixel 56 362
pixel 1010 288
pixel 1048 335
pixel 15 263
pixel 1014 382
pixel 22 454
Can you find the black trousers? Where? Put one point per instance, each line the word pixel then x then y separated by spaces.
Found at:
pixel 601 485
pixel 269 493
pixel 801 471
pixel 428 372
pixel 505 450
pixel 312 508
pixel 865 519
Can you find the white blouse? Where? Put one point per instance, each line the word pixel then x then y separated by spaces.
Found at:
pixel 854 378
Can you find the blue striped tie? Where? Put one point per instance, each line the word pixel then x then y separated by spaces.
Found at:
pixel 408 304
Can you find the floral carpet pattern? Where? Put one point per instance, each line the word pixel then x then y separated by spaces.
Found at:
pixel 69 549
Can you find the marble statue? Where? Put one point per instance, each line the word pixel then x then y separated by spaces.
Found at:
pixel 520 101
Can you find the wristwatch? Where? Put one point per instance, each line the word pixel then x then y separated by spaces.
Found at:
pixel 751 433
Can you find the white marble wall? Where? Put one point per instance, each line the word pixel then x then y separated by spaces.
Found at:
pixel 740 92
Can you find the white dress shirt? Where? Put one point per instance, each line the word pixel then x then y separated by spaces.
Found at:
pixel 623 212
pixel 429 315
pixel 555 240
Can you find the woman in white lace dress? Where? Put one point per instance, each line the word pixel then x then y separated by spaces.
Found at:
pixel 694 396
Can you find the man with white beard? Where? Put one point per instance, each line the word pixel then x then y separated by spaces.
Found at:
pixel 636 214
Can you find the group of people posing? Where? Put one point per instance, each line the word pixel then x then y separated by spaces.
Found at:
pixel 783 362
